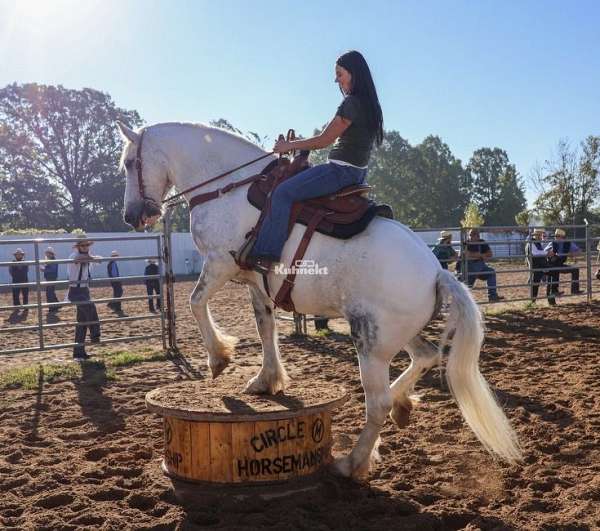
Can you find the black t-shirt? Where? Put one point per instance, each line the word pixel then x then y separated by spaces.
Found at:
pixel 480 247
pixel 355 144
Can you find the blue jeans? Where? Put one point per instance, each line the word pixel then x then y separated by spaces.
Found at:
pixel 313 182
pixel 478 269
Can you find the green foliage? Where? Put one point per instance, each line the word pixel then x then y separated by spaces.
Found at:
pixel 523 218
pixel 425 184
pixel 472 218
pixel 59 154
pixel 496 186
pixel 569 183
pixel 30 231
pixel 32 376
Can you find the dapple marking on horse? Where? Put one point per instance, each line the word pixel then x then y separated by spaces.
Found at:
pixel 385 282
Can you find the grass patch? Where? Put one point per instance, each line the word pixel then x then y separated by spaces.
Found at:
pixel 125 358
pixel 31 376
pixel 324 332
pixel 94 372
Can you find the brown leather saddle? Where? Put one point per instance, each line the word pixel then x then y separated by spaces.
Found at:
pixel 340 215
pixel 343 214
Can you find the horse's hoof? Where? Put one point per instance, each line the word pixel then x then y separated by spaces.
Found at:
pixel 344 468
pixel 341 467
pixel 257 386
pixel 400 415
pixel 219 367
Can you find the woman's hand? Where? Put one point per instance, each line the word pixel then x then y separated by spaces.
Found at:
pixel 282 146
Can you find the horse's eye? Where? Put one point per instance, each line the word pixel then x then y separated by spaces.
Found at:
pixel 129 163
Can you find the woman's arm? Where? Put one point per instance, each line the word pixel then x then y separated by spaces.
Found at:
pixel 328 136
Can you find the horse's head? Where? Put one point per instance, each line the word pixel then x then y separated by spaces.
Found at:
pixel 145 166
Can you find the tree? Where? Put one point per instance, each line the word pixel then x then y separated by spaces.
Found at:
pixel 523 218
pixel 496 186
pixel 425 184
pixel 473 217
pixel 59 154
pixel 569 183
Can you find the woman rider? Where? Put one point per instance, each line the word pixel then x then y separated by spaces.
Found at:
pixel 357 124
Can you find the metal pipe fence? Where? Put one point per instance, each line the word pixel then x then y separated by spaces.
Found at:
pixel 41 327
pixel 507 265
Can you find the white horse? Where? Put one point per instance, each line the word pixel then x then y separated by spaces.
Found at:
pixel 384 281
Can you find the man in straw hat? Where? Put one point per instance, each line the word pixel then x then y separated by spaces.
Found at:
pixel 19 275
pixel 444 251
pixel 537 259
pixel 558 253
pixel 79 292
pixel 112 270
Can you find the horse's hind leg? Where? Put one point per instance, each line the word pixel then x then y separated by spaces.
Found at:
pixel 375 350
pixel 220 346
pixel 272 377
pixel 423 356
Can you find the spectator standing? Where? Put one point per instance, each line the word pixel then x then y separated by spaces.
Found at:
pixel 19 274
pixel 152 284
pixel 537 258
pixel 321 323
pixel 50 271
pixel 79 292
pixel 477 252
pixel 559 252
pixel 117 286
pixel 444 251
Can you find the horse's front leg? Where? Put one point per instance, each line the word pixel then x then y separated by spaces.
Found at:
pixel 220 346
pixel 272 377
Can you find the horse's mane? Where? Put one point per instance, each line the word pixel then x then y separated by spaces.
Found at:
pixel 209 128
pixel 128 150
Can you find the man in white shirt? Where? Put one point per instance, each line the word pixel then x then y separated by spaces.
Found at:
pixel 537 258
pixel 79 272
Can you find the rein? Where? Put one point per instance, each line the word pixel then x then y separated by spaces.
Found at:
pixel 204 197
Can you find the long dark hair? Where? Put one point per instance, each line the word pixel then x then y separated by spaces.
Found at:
pixel 364 88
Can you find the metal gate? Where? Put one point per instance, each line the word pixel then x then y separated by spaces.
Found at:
pixel 165 314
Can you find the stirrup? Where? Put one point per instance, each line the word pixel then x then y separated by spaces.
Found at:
pixel 241 256
pixel 258 265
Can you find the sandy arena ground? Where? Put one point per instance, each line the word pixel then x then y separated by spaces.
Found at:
pixel 85 453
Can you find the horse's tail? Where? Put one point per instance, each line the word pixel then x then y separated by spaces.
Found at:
pixel 464 334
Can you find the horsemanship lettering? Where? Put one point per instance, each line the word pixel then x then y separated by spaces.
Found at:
pixel 173 459
pixel 283 464
pixel 273 437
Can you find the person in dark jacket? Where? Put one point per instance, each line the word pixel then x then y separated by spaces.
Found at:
pixel 152 284
pixel 559 252
pixel 19 275
pixel 117 286
pixel 477 252
pixel 51 275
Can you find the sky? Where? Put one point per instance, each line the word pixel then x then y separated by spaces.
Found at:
pixel 519 75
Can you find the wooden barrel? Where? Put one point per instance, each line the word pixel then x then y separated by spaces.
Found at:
pixel 216 434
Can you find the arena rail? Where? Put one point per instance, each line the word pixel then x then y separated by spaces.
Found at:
pixel 587 237
pixel 40 285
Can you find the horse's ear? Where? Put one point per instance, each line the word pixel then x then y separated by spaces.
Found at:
pixel 128 133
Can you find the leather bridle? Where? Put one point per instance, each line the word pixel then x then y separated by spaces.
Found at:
pixel 204 197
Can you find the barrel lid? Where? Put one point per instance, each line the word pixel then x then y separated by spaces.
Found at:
pixel 223 400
